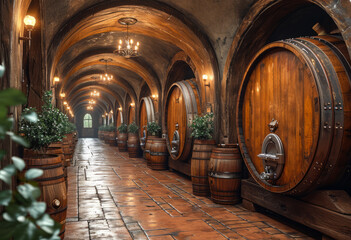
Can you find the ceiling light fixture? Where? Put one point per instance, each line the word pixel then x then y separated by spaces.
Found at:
pixel 106 77
pixel 127 47
pixel 95 94
pixel 90 107
pixel 92 102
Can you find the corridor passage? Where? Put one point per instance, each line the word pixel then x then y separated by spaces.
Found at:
pixel 111 196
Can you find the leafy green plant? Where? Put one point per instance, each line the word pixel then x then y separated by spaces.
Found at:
pixel 123 128
pixel 203 127
pixel 51 126
pixel 153 128
pixel 102 128
pixel 133 128
pixel 24 217
pixel 110 128
pixel 69 127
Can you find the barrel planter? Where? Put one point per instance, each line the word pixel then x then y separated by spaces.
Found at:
pixel 293 114
pixel 122 142
pixel 133 145
pixel 148 144
pixel 111 138
pixel 224 174
pixel 57 149
pixel 146 115
pixel 52 185
pixel 182 105
pixel 158 154
pixel 199 166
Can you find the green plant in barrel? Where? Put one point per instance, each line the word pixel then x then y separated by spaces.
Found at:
pixel 203 127
pixel 153 128
pixel 23 217
pixel 51 126
pixel 110 128
pixel 133 128
pixel 123 128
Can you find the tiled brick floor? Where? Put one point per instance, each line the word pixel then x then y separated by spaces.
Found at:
pixel 111 196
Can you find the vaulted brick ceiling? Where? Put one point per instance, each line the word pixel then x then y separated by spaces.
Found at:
pixel 92 33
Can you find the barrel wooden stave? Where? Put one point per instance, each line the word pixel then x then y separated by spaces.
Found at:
pixel 158 154
pixel 316 149
pixel 146 114
pixel 148 144
pixel 52 185
pixel 199 166
pixel 224 175
pixel 122 142
pixel 133 145
pixel 182 105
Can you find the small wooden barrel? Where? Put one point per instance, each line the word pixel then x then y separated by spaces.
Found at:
pixel 224 174
pixel 158 154
pixel 199 166
pixel 52 185
pixel 133 145
pixel 148 144
pixel 122 142
pixel 111 138
pixel 58 151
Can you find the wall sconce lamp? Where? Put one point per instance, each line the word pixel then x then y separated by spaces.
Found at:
pixel 68 107
pixel 154 97
pixel 132 105
pixel 29 23
pixel 205 78
pixel 64 103
pixel 106 113
pixel 56 80
pixel 111 111
pixel 120 109
pixel 62 95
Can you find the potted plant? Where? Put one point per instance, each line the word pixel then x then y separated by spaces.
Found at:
pixel 202 130
pixel 110 137
pixel 49 128
pixel 23 216
pixel 156 153
pixel 122 137
pixel 133 140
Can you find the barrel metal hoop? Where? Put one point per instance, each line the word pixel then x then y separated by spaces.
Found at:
pixel 49 179
pixel 49 167
pixel 158 154
pixel 225 175
pixel 59 211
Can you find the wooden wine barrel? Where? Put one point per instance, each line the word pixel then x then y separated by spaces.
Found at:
pixel 146 114
pixel 182 105
pixel 224 175
pixel 301 88
pixel 148 144
pixel 52 185
pixel 199 166
pixel 58 151
pixel 111 138
pixel 133 145
pixel 158 154
pixel 122 142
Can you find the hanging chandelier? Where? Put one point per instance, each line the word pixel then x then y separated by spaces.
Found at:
pixel 127 47
pixel 95 94
pixel 90 107
pixel 106 77
pixel 92 102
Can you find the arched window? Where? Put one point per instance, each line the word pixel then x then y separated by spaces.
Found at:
pixel 87 121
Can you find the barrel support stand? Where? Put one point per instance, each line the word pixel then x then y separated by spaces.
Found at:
pixel 180 166
pixel 327 211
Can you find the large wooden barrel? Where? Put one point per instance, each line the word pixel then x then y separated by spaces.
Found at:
pixel 122 142
pixel 224 175
pixel 199 166
pixel 293 114
pixel 133 145
pixel 182 105
pixel 52 185
pixel 158 154
pixel 146 114
pixel 54 149
pixel 148 144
